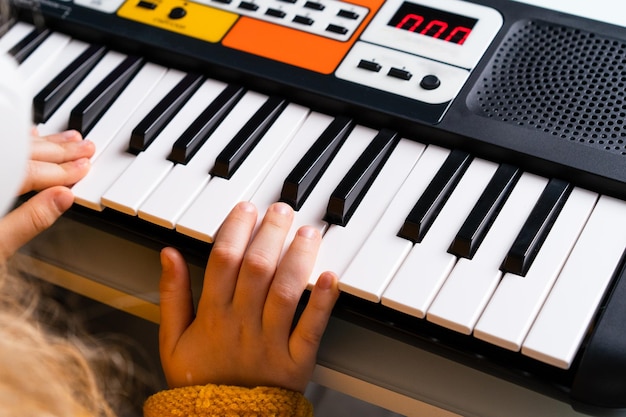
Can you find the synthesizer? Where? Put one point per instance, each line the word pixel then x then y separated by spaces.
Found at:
pixel 463 160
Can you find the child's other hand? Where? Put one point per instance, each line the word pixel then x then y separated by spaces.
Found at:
pixel 242 333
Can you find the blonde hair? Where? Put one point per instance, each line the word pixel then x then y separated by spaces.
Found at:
pixel 44 372
pixel 49 366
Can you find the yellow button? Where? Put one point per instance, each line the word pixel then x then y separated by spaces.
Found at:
pixel 180 16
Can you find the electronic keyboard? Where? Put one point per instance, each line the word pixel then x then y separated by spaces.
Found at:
pixel 464 161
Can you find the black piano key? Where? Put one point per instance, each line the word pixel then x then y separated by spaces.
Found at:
pixel 305 175
pixel 22 50
pixel 346 197
pixel 149 128
pixel 536 228
pixel 480 219
pixel 435 196
pixel 245 140
pixel 48 100
pixel 199 131
pixel 86 114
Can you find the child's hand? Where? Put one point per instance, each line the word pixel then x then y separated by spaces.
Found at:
pixel 242 333
pixel 59 159
pixel 56 162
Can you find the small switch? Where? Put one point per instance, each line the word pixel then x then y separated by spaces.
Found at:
pixel 369 65
pixel 177 13
pixel 275 13
pixel 399 73
pixel 347 14
pixel 314 5
pixel 146 5
pixel 304 20
pixel 246 5
pixel 336 29
pixel 430 82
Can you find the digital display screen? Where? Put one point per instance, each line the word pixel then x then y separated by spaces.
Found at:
pixel 435 23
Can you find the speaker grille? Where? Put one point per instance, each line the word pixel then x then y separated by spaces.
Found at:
pixel 559 80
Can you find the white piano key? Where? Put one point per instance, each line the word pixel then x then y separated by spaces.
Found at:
pixel 428 264
pixel 204 217
pixel 270 188
pixel 353 187
pixel 114 158
pixel 68 54
pixel 471 283
pixel 314 208
pixel 16 33
pixel 151 166
pixel 59 120
pixel 351 237
pixel 383 251
pixel 517 300
pixel 182 185
pixel 124 106
pixel 37 65
pixel 427 208
pixel 563 321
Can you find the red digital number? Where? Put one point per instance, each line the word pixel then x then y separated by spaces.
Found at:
pixel 434 28
pixel 456 31
pixel 417 18
pixel 434 24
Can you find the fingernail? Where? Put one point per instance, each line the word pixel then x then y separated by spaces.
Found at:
pixel 308 232
pixel 325 281
pixel 166 262
pixel 86 144
pixel 71 135
pixel 246 206
pixel 82 162
pixel 282 208
pixel 63 200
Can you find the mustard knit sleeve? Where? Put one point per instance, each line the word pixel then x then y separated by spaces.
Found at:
pixel 227 401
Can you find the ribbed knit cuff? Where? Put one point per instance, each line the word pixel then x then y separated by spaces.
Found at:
pixel 228 401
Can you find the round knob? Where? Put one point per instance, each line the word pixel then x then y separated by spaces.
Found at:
pixel 430 82
pixel 177 13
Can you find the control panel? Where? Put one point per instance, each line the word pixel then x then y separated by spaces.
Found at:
pixel 423 50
